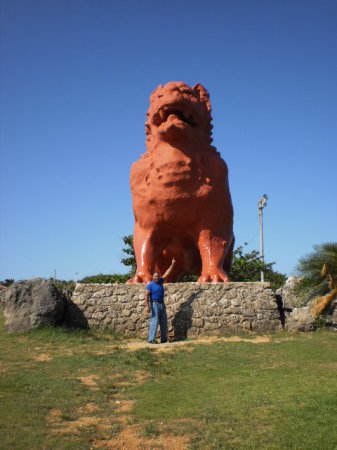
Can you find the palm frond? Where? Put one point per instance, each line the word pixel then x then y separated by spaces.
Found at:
pixel 311 283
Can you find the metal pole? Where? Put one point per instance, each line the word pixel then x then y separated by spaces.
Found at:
pixel 262 203
pixel 261 242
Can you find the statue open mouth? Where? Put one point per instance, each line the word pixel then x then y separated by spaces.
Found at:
pixel 177 111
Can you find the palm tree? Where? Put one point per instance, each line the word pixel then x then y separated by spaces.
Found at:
pixel 318 277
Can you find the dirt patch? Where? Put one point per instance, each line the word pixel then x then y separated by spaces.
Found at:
pixel 133 346
pixel 130 438
pixel 141 376
pixel 75 426
pixel 89 381
pixel 89 407
pixel 124 383
pixel 125 406
pixel 256 340
pixel 213 339
pixel 43 357
pixel 138 344
pixel 127 436
pixel 54 415
pixel 127 440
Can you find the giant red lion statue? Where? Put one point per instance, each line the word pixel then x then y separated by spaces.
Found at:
pixel 181 199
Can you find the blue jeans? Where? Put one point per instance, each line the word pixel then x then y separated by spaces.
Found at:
pixel 158 314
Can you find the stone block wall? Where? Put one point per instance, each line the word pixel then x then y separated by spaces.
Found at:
pixel 192 308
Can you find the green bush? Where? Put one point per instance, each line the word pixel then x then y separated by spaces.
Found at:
pixel 106 279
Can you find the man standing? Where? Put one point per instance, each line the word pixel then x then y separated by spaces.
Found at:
pixel 156 306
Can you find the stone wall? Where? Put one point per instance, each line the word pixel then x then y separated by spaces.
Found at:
pixel 192 308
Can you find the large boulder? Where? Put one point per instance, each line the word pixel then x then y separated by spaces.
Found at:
pixel 29 304
pixel 331 315
pixel 287 292
pixel 300 320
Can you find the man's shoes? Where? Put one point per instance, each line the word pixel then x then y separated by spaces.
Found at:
pixel 163 342
pixel 152 342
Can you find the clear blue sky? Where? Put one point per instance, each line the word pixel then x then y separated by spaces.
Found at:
pixel 76 76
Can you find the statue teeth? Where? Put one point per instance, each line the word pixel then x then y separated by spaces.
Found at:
pixel 162 115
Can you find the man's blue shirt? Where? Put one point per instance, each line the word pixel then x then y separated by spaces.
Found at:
pixel 157 290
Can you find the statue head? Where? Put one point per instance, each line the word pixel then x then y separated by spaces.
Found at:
pixel 178 112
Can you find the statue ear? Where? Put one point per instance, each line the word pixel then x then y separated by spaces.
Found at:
pixel 202 94
pixel 157 88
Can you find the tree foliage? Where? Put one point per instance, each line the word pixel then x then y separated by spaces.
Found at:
pixel 312 282
pixel 105 279
pixel 67 287
pixel 130 260
pixel 7 282
pixel 247 267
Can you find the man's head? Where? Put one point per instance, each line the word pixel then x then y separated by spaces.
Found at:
pixel 156 277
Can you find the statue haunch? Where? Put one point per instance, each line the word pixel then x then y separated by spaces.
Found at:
pixel 181 199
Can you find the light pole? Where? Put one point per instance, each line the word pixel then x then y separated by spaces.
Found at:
pixel 76 274
pixel 262 203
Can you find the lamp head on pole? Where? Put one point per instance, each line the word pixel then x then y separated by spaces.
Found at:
pixel 263 202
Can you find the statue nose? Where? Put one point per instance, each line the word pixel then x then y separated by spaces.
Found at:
pixel 174 90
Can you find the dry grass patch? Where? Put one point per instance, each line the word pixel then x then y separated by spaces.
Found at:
pixel 125 406
pixel 54 415
pixel 76 426
pixel 43 357
pixel 89 407
pixel 135 345
pixel 89 381
pixel 129 439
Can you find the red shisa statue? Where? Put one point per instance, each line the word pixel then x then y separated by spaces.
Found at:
pixel 181 199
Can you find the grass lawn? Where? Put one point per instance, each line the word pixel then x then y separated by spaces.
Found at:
pixel 84 390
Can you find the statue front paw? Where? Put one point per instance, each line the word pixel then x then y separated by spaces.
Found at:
pixel 140 279
pixel 214 276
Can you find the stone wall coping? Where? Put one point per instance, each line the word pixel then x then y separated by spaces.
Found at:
pixel 189 283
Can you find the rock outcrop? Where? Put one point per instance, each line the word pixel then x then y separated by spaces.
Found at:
pixel 29 304
pixel 287 292
pixel 331 315
pixel 300 320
